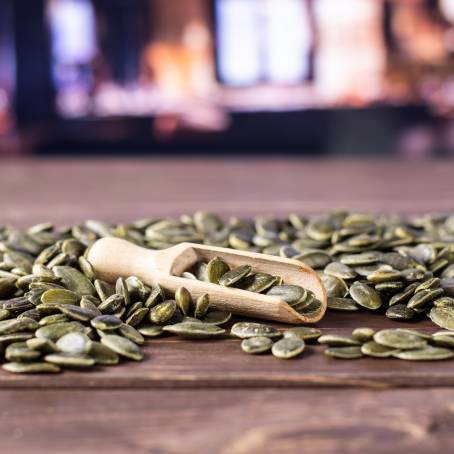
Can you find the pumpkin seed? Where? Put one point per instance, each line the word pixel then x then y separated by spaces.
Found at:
pixel 201 305
pixel 20 352
pixel 400 312
pixel 162 312
pixel 150 330
pixel 31 368
pixel 399 339
pixel 106 322
pixel 342 304
pixel 244 330
pixel 371 348
pixel 334 340
pixel 184 300
pixel 101 354
pixel 42 345
pixel 122 346
pixel 255 345
pixel 56 330
pixel 363 334
pixel 190 330
pixel 288 347
pixel 216 317
pixel 235 275
pixel 365 296
pixel 291 294
pixel 344 352
pixel 216 268
pixel 131 333
pixel 73 343
pixel 442 316
pixel 428 353
pixel 69 360
pixel 303 332
pixel 77 313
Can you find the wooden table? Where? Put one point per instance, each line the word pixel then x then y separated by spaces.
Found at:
pixel 209 397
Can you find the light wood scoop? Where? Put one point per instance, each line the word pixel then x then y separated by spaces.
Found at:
pixel 113 257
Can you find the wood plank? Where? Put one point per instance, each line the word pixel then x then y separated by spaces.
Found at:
pixel 226 421
pixel 65 190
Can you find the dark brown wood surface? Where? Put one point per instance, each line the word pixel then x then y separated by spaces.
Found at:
pixel 209 396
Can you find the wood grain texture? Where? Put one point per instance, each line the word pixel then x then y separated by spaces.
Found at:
pixel 191 397
pixel 66 191
pixel 226 421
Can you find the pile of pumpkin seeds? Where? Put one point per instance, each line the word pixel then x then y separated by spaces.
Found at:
pixel 216 271
pixel 261 338
pixel 406 344
pixel 55 314
pixel 400 267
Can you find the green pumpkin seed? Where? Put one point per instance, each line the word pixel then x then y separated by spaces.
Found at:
pixel 112 304
pixel 17 325
pixel 6 339
pixel 443 341
pixel 73 343
pixel 156 295
pixel 399 339
pixel 106 322
pixel 258 282
pixel 371 348
pixel 162 312
pixel 190 330
pixel 150 330
pixel 201 306
pixel 303 332
pixel 423 297
pixel 31 368
pixel 443 317
pixel 363 334
pixel 59 296
pixel 342 304
pixel 184 300
pixel 339 270
pixel 74 280
pixel 291 294
pixel 20 352
pixel 131 333
pixel 42 345
pixel 216 317
pixel 400 312
pixel 232 277
pixel 77 313
pixel 256 345
pixel 69 360
pixel 244 330
pixel 288 347
pixel 334 340
pixel 54 318
pixel 344 352
pixel 122 346
pixel 365 296
pixel 56 330
pixel 427 353
pixel 104 289
pixel 216 268
pixel 137 316
pixel 101 354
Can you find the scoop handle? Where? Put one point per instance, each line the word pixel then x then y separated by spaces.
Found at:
pixel 113 257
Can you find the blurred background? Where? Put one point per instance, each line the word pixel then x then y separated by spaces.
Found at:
pixel 168 77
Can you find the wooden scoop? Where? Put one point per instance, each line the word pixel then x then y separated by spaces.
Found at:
pixel 112 258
